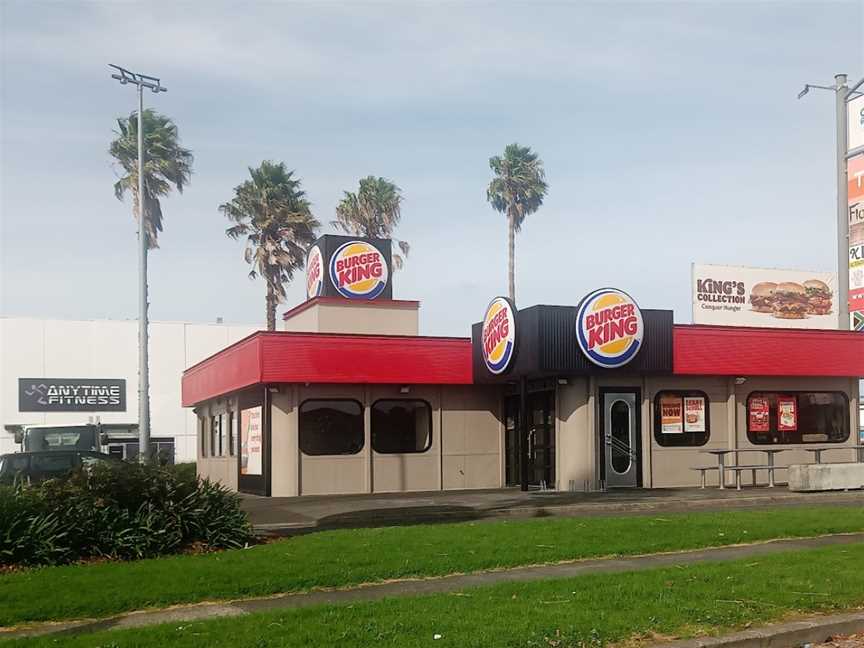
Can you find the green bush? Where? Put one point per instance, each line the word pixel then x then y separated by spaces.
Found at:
pixel 121 512
pixel 185 470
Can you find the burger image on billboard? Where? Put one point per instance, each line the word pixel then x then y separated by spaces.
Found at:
pixel 609 327
pixel 314 273
pixel 358 270
pixel 818 297
pixel 762 297
pixel 790 301
pixel 498 335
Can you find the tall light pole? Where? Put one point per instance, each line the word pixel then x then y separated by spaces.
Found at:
pixel 141 81
pixel 843 94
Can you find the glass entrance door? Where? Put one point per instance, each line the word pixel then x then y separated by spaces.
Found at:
pixel 620 439
pixel 540 441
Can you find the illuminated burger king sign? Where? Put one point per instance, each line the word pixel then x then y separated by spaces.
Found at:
pixel 498 335
pixel 358 270
pixel 314 273
pixel 609 327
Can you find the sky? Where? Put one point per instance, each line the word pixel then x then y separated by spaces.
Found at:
pixel 670 134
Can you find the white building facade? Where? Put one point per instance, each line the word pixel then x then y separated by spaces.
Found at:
pixel 106 350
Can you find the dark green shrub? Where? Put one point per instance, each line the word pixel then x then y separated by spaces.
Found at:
pixel 185 470
pixel 120 512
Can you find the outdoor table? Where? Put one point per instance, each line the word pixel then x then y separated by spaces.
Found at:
pixel 721 461
pixel 817 452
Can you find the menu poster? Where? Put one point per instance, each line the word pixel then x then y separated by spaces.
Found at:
pixel 251 440
pixel 671 415
pixel 694 414
pixel 787 414
pixel 759 410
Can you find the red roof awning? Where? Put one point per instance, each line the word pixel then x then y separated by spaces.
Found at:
pixel 737 351
pixel 282 357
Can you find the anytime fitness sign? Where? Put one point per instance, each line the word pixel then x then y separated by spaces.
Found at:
pixel 71 395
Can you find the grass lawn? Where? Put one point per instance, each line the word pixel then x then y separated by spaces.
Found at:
pixel 584 611
pixel 349 557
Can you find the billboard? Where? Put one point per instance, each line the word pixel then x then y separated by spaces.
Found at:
pixel 742 296
pixel 855 178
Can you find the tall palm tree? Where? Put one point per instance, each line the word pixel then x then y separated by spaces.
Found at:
pixel 272 212
pixel 374 211
pixel 166 165
pixel 517 190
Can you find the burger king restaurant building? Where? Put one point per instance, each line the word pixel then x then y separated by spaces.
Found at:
pixel 348 398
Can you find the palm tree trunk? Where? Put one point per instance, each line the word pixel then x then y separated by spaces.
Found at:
pixel 511 256
pixel 271 308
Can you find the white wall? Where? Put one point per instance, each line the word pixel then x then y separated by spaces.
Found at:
pixel 39 348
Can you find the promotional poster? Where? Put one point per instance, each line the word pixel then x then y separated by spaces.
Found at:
pixel 743 296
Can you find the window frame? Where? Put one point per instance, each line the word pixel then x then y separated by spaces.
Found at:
pixel 428 406
pixel 690 437
pixel 215 435
pixel 202 428
pixel 329 400
pixel 772 417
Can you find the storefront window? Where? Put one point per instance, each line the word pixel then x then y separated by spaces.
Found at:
pixel 401 426
pixel 681 418
pixel 215 437
pixel 331 427
pixel 797 417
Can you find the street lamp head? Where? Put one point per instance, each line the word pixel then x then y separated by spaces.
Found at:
pixel 804 91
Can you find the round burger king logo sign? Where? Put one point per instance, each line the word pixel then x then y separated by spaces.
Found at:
pixel 314 273
pixel 358 270
pixel 498 335
pixel 609 327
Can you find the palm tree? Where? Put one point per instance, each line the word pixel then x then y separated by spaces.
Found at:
pixel 517 190
pixel 166 165
pixel 374 211
pixel 272 212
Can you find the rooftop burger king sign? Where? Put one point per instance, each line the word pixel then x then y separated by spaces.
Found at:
pixel 314 273
pixel 358 270
pixel 498 335
pixel 609 327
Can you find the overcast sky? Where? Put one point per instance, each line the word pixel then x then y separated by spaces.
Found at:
pixel 670 134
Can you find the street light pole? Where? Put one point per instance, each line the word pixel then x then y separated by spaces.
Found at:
pixel 842 96
pixel 142 81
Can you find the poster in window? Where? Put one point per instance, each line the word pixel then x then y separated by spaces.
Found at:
pixel 694 414
pixel 671 415
pixel 787 414
pixel 251 441
pixel 759 415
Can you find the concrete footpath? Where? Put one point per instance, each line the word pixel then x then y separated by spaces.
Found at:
pixel 373 592
pixel 293 515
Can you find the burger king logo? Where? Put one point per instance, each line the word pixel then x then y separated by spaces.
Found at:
pixel 314 273
pixel 358 270
pixel 609 327
pixel 498 335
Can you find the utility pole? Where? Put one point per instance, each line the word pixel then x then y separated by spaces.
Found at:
pixel 842 95
pixel 142 81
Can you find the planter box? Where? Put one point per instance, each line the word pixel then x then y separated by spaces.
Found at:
pixel 826 477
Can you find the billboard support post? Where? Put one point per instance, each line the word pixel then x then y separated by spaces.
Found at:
pixel 841 97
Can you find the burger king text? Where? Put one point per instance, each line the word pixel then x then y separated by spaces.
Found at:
pixel 358 269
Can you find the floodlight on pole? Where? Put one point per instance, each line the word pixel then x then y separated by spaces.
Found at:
pixel 141 81
pixel 843 94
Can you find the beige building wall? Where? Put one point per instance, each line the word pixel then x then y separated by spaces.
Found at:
pixel 355 316
pixel 578 436
pixel 472 438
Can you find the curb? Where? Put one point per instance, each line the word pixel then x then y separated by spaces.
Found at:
pixel 385 517
pixel 812 630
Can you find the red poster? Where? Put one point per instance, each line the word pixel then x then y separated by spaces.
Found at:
pixel 759 415
pixel 787 414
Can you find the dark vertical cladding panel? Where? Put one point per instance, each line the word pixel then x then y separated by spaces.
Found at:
pixel 330 243
pixel 526 356
pixel 546 346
